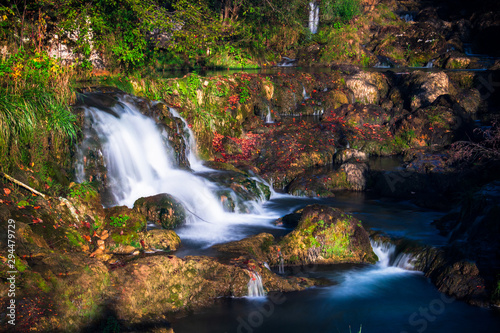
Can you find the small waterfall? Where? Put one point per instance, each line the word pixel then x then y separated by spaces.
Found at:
pixel 408 17
pixel 387 256
pixel 313 17
pixel 304 93
pixel 188 135
pixel 430 64
pixel 255 287
pixel 269 117
pixel 281 268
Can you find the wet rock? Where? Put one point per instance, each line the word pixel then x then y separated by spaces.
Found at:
pixel 162 209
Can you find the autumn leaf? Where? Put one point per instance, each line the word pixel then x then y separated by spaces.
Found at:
pixel 7 191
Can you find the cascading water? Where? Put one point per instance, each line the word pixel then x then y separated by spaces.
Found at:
pixel 138 163
pixel 304 93
pixel 386 253
pixel 255 287
pixel 190 140
pixel 269 117
pixel 313 17
pixel 281 268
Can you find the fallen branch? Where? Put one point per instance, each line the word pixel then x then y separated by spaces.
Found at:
pixel 15 181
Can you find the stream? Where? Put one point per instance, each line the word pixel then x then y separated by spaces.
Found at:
pixel 367 298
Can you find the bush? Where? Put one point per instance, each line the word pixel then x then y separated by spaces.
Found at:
pixel 343 10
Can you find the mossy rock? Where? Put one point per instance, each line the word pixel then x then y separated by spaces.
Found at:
pixel 160 239
pixel 162 209
pixel 155 285
pixel 325 235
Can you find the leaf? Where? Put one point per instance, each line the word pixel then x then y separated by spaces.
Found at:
pixel 7 191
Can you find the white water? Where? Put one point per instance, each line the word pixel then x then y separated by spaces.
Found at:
pixel 387 256
pixel 304 93
pixel 269 117
pixel 255 287
pixel 313 17
pixel 281 268
pixel 194 161
pixel 373 280
pixel 138 163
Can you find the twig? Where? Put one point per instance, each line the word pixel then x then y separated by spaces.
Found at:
pixel 23 185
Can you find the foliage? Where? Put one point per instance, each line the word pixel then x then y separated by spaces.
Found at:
pixel 341 10
pixel 83 190
pixel 35 93
pixel 119 221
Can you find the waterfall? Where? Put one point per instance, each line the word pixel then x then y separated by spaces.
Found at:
pixel 304 93
pixel 430 64
pixel 255 287
pixel 281 268
pixel 313 17
pixel 190 140
pixel 138 163
pixel 269 117
pixel 387 256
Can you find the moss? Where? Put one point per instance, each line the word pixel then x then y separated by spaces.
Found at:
pixel 74 238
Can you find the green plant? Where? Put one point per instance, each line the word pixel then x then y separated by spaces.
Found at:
pixel 84 190
pixel 343 10
pixel 244 94
pixel 119 221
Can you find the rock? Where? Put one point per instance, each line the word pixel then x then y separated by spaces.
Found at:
pixel 324 183
pixel 457 62
pixel 162 209
pixel 155 285
pixel 470 100
pixel 159 239
pixel 424 88
pixel 359 114
pixel 349 154
pixel 356 174
pixel 334 99
pixel 368 87
pixel 325 235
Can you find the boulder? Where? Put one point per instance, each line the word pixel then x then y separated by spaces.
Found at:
pixel 162 209
pixel 424 88
pixel 368 87
pixel 324 235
